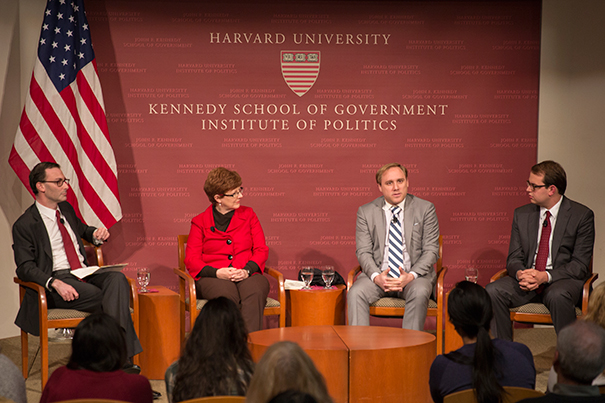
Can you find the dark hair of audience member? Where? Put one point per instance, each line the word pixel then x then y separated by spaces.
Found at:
pixel 216 359
pixel 99 345
pixel 293 396
pixel 470 311
pixel 285 366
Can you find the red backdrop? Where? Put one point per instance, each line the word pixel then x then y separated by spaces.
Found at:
pixel 448 89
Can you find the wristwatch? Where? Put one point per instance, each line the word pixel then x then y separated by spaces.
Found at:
pixel 249 272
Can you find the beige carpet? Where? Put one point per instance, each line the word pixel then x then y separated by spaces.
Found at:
pixel 541 342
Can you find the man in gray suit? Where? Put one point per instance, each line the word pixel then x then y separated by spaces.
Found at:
pixel 410 273
pixel 552 268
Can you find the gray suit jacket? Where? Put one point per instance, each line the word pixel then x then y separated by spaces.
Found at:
pixel 572 242
pixel 34 257
pixel 421 235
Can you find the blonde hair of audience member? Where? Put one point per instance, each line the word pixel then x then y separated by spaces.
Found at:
pixel 285 366
pixel 596 306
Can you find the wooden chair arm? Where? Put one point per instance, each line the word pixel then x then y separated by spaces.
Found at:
pixel 439 285
pixel 501 274
pixel 351 277
pixel 42 302
pixel 187 288
pixel 281 293
pixel 586 292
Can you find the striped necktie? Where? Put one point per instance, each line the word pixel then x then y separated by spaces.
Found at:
pixel 395 244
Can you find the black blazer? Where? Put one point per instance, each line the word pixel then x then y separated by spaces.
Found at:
pixel 34 259
pixel 572 243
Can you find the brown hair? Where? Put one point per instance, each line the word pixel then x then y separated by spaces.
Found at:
pixel 285 366
pixel 219 181
pixel 554 174
pixel 38 174
pixel 386 167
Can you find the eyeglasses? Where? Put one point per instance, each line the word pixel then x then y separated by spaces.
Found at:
pixel 237 193
pixel 534 187
pixel 58 182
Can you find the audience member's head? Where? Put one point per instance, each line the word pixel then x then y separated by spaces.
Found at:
pixel 98 345
pixel 286 367
pixel 216 360
pixel 580 354
pixel 596 306
pixel 470 309
pixel 293 396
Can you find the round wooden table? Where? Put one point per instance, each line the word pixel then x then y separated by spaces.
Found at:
pixel 362 363
pixel 315 307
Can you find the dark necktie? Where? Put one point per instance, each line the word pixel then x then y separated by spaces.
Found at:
pixel 395 244
pixel 68 245
pixel 542 257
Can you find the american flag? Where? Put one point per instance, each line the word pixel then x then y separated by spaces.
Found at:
pixel 63 118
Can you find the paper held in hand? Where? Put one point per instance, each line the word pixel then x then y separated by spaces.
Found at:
pixel 87 271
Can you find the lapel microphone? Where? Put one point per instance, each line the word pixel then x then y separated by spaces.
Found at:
pixel 394 220
pixel 545 224
pixel 62 221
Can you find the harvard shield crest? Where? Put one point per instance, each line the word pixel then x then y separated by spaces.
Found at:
pixel 300 69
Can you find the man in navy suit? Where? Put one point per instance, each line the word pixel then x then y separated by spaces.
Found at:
pixel 556 275
pixel 415 277
pixel 43 257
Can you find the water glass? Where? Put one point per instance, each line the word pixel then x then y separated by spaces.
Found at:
pixel 328 275
pixel 307 276
pixel 143 277
pixel 471 274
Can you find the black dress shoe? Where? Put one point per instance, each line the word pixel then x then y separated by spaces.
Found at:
pixel 131 369
pixel 156 395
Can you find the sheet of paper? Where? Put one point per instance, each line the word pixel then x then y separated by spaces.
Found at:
pixel 87 271
pixel 293 284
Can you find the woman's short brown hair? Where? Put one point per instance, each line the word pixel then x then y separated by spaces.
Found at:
pixel 219 181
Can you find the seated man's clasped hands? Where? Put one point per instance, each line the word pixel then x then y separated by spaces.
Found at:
pixel 47 244
pixel 397 240
pixel 551 245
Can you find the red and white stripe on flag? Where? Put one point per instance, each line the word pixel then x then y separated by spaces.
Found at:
pixel 64 119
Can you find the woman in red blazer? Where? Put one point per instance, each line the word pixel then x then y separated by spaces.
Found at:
pixel 226 250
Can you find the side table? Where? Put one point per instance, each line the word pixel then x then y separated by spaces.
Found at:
pixel 159 331
pixel 316 307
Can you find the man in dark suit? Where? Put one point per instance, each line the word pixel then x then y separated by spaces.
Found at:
pixel 44 258
pixel 411 275
pixel 550 249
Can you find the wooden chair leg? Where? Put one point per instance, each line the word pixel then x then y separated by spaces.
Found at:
pixel 24 354
pixel 439 334
pixel 44 356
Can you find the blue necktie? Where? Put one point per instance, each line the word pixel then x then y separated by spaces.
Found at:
pixel 395 244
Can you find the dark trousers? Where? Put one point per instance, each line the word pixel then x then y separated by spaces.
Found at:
pixel 250 295
pixel 560 297
pixel 107 292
